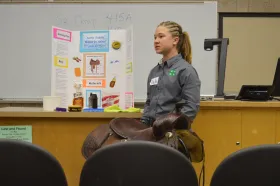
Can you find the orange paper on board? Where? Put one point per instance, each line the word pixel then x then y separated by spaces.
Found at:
pixel 96 83
pixel 78 72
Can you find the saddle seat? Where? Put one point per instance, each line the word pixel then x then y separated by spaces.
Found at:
pixel 132 129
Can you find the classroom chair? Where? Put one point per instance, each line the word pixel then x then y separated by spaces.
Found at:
pixel 23 163
pixel 138 163
pixel 257 165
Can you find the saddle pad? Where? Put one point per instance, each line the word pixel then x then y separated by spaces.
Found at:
pixel 193 143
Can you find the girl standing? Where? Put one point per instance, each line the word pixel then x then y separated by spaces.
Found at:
pixel 173 79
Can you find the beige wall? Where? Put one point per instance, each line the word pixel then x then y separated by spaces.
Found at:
pixel 253 51
pixel 224 5
pixel 249 6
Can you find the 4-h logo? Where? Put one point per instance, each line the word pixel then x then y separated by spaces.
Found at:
pixel 172 73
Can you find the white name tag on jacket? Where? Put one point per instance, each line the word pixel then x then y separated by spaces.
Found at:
pixel 154 81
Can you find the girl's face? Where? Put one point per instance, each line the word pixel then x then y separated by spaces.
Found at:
pixel 163 40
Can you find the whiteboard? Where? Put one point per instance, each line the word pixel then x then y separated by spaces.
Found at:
pixel 25 40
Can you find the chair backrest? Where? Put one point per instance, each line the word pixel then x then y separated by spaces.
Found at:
pixel 256 165
pixel 23 163
pixel 138 163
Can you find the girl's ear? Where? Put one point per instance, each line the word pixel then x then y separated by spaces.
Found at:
pixel 175 40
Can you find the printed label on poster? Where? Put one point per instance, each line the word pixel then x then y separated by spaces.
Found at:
pixel 129 100
pixel 129 51
pixel 129 83
pixel 60 48
pixel 97 83
pixel 98 94
pixel 61 85
pixel 20 132
pixel 114 61
pixel 94 65
pixel 129 68
pixel 94 41
pixel 61 34
pixel 60 62
pixel 109 99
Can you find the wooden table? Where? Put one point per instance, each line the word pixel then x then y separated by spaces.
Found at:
pixel 225 126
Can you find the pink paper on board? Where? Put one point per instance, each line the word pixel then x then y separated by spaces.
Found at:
pixel 129 100
pixel 61 34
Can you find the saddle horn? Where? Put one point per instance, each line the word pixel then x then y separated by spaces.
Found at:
pixel 167 123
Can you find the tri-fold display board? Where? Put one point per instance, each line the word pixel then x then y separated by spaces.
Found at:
pixel 94 61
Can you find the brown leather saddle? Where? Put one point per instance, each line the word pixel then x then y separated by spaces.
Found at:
pixel 126 129
pixel 171 130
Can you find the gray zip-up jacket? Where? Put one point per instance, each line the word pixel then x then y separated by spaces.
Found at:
pixel 171 82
